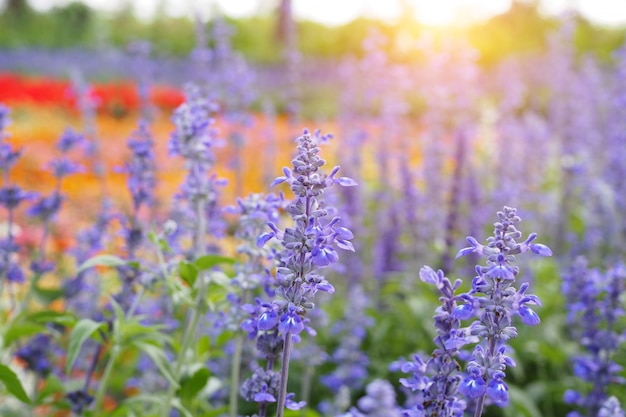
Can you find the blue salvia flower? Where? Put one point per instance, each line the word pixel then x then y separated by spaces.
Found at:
pixel 435 380
pixel 141 182
pixel 5 120
pixel 379 401
pixel 493 301
pixel 308 246
pixel 36 354
pixel 194 139
pixel 611 408
pixel 8 155
pixel 593 301
pixel 256 211
pixel 69 140
pixel 11 196
pixel 143 69
pixel 351 362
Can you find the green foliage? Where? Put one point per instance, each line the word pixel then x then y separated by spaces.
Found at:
pixel 83 330
pixel 13 384
pixel 102 260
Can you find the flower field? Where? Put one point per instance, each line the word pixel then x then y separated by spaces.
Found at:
pixel 444 239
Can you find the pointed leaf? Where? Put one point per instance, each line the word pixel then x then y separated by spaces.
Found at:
pixel 209 261
pixel 101 260
pixel 192 385
pixel 160 360
pixel 80 333
pixel 188 272
pixel 21 329
pixel 13 384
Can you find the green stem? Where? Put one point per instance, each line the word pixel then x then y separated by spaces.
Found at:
pixel 234 376
pixel 105 379
pixel 305 393
pixel 190 331
pixel 284 375
pixel 181 359
pixel 236 365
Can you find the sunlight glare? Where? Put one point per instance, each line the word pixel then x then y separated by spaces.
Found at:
pixel 456 12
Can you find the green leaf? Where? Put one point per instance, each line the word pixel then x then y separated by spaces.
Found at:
pixel 101 260
pixel 160 360
pixel 144 398
pixel 80 333
pixel 204 345
pixel 522 405
pixel 49 316
pixel 52 386
pixel 299 413
pixel 188 272
pixel 21 329
pixel 209 261
pixel 178 405
pixel 13 384
pixel 190 387
pixel 215 412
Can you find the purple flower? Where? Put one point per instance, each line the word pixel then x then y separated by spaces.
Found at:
pixel 63 167
pixel 498 391
pixel 291 322
pixel 11 196
pixel 8 156
pixel 46 207
pixel 69 140
pixel 594 306
pixel 36 355
pixel 494 301
pixel 140 169
pixel 436 382
pixel 79 401
pixel 473 386
pixel 308 245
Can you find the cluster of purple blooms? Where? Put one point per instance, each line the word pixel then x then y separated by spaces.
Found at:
pixel 594 308
pixel 493 301
pixel 308 246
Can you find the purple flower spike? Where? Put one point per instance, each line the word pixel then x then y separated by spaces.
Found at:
pixel 494 301
pixel 309 245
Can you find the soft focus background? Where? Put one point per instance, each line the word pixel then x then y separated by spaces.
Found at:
pixel 442 110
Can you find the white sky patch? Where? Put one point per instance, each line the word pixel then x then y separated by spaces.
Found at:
pixel 607 12
pixel 337 12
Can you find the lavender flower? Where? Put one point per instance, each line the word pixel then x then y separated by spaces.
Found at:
pixel 435 380
pixel 69 140
pixel 308 246
pixel 36 355
pixel 611 408
pixel 5 120
pixel 380 401
pixel 351 362
pixel 594 306
pixel 194 139
pixel 494 301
